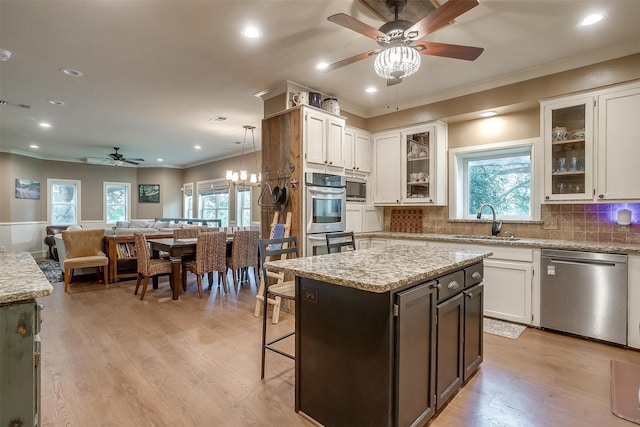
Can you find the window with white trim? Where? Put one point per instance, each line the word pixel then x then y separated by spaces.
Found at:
pixel 498 174
pixel 213 201
pixel 64 201
pixel 117 202
pixel 243 207
pixel 187 200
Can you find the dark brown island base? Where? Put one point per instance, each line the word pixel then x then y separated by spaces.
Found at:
pixel 385 336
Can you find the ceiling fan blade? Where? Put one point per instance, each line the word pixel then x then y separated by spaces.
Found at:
pixel 357 26
pixel 134 160
pixel 468 53
pixel 351 60
pixel 131 162
pixel 440 17
pixel 391 82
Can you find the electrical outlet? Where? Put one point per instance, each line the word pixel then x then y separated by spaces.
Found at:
pixel 3 249
pixel 550 223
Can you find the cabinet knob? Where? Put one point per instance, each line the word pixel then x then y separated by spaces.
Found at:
pixel 476 275
pixel 453 285
pixel 325 162
pixel 546 197
pixel 438 286
pixel 470 295
pixel 330 163
pixel 600 196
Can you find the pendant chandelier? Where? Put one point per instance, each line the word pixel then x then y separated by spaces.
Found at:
pixel 241 177
pixel 397 61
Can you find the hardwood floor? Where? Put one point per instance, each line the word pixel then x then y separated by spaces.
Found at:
pixel 110 359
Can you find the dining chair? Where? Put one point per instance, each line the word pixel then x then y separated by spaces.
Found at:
pixel 337 241
pixel 271 249
pixel 83 249
pixel 244 255
pixel 278 230
pixel 187 232
pixel 210 257
pixel 147 266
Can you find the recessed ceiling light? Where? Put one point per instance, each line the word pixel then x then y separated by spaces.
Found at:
pixel 54 102
pixel 592 19
pixel 322 66
pixel 371 89
pixel 34 146
pixel 161 160
pixel 44 125
pixel 4 55
pixel 197 147
pixel 71 72
pixel 488 114
pixel 251 32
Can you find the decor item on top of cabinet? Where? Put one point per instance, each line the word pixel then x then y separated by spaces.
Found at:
pixel 331 105
pixel 399 55
pixel 315 99
pixel 300 98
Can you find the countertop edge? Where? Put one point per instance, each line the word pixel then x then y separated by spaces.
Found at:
pixel 339 279
pixel 520 242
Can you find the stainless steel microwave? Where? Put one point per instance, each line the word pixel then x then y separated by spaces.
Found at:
pixel 356 189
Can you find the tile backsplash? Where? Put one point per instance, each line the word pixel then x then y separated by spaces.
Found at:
pixel 578 222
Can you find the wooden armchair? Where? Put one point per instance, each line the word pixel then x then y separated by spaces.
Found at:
pixel 84 249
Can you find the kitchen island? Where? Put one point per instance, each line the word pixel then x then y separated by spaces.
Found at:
pixel 21 282
pixel 369 351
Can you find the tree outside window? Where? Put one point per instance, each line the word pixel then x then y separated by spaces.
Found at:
pixel 117 201
pixel 502 181
pixel 215 206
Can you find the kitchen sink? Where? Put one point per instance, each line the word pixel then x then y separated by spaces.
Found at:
pixel 472 237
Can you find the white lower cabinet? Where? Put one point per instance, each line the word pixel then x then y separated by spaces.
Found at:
pixel 633 310
pixel 406 242
pixel 512 289
pixel 362 218
pixel 507 292
pixel 364 243
pixel 378 243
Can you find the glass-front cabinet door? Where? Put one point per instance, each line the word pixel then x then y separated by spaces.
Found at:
pixel 424 164
pixel 567 129
pixel 418 165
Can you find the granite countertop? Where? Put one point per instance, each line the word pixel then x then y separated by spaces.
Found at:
pixel 21 279
pixel 380 269
pixel 622 248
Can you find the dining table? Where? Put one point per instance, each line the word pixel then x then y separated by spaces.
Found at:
pixel 178 250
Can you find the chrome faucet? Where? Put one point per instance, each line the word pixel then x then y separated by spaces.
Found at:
pixel 496 227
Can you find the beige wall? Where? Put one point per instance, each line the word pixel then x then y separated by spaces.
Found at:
pixel 170 181
pixel 531 91
pixel 92 179
pixel 507 127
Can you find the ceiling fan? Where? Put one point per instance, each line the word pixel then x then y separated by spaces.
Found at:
pixel 400 50
pixel 115 159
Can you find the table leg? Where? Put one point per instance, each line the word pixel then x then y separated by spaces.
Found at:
pixel 176 276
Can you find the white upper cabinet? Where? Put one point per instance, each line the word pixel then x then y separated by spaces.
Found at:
pixel 410 166
pixel 386 183
pixel 619 155
pixel 356 150
pixel 591 145
pixel 323 137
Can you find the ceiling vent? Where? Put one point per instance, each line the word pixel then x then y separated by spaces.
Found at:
pixel 218 119
pixel 3 102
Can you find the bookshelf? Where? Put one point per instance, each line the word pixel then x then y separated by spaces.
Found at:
pixel 121 251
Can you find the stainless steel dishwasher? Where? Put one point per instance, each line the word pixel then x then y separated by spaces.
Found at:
pixel 584 293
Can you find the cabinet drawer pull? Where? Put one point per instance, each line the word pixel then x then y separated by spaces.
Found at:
pixel 453 285
pixel 476 275
pixel 470 295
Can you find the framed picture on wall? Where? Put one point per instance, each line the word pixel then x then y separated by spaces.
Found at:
pixel 27 189
pixel 149 193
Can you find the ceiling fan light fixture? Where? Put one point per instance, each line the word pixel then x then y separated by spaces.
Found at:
pixel 397 61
